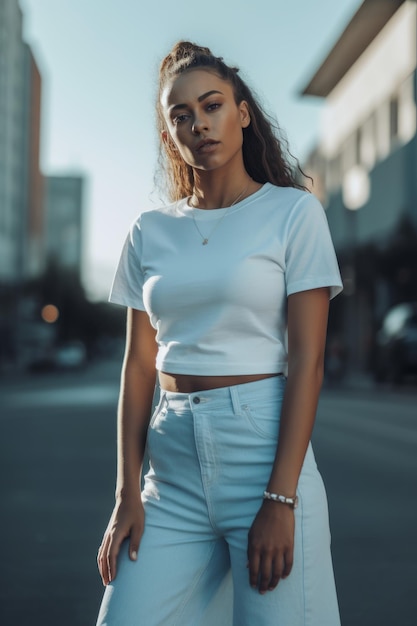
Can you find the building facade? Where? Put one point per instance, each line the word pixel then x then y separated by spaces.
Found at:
pixel 13 164
pixel 64 221
pixel 21 197
pixel 34 258
pixel 21 201
pixel 365 165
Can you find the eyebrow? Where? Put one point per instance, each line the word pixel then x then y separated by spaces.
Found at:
pixel 200 99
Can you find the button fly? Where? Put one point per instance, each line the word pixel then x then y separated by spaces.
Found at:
pixel 196 400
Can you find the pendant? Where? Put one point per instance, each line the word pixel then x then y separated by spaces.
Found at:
pixel 205 242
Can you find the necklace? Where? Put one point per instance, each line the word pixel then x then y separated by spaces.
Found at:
pixel 205 238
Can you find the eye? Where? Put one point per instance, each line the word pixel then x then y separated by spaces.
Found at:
pixel 213 106
pixel 179 119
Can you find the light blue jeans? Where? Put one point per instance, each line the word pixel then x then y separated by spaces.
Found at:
pixel 211 455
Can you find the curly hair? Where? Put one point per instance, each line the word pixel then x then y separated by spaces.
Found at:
pixel 265 152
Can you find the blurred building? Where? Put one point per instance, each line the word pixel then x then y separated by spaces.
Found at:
pixel 40 218
pixel 365 165
pixel 21 201
pixel 34 257
pixel 21 194
pixel 64 221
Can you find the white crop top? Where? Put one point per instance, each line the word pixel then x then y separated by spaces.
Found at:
pixel 220 309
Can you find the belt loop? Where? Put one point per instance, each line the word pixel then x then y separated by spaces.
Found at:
pixel 234 395
pixel 163 400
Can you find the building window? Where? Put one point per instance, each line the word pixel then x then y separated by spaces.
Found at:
pixel 383 130
pixel 393 120
pixel 358 141
pixel 407 110
pixel 349 153
pixel 333 173
pixel 367 145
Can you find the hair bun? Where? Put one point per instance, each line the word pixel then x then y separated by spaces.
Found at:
pixel 186 54
pixel 187 49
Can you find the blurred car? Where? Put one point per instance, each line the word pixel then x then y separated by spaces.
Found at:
pixel 70 355
pixel 66 356
pixel 396 344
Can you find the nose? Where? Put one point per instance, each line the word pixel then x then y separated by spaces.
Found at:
pixel 199 124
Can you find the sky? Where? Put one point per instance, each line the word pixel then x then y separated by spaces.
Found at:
pixel 99 64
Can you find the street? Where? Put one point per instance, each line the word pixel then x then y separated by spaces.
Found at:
pixel 366 448
pixel 57 459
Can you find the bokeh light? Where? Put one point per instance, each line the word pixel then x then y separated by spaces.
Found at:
pixel 50 313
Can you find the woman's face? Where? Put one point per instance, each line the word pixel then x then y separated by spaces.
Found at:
pixel 203 119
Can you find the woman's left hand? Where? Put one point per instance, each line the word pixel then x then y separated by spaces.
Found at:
pixel 270 545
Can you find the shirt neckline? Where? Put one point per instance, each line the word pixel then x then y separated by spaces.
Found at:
pixel 184 209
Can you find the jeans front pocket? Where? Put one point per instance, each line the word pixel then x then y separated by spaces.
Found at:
pixel 262 411
pixel 263 418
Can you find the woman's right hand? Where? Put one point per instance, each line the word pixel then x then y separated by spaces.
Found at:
pixel 127 520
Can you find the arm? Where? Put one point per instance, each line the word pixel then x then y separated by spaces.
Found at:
pixel 271 537
pixel 134 409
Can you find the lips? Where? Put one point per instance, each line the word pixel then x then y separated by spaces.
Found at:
pixel 206 145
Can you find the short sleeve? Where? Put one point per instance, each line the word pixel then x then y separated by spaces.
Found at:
pixel 128 280
pixel 310 258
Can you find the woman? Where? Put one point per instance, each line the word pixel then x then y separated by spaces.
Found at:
pixel 227 290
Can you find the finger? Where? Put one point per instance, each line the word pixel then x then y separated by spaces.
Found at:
pixel 113 553
pixel 99 561
pixel 100 555
pixel 265 573
pixel 254 563
pixel 102 560
pixel 277 570
pixel 288 563
pixel 135 536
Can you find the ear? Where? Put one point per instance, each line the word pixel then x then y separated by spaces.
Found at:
pixel 167 139
pixel 244 114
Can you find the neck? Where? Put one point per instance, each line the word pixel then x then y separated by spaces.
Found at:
pixel 214 192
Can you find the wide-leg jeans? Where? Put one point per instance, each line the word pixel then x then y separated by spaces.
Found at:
pixel 211 455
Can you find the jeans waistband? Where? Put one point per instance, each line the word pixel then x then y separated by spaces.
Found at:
pixel 232 397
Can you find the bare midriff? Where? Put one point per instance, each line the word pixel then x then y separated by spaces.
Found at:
pixel 185 383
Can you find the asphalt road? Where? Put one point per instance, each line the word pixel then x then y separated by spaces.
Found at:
pixel 366 446
pixel 57 467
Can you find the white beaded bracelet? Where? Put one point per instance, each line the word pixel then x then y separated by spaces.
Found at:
pixel 292 502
